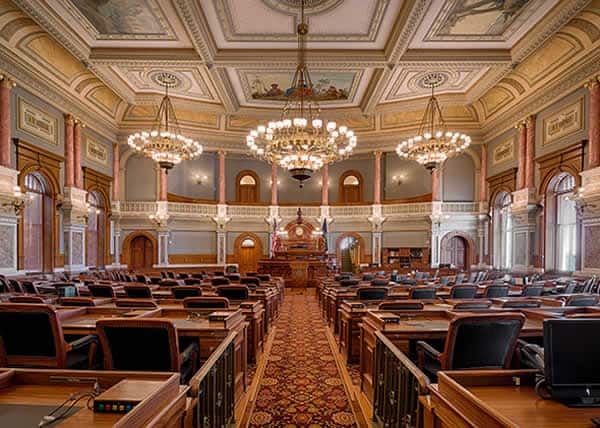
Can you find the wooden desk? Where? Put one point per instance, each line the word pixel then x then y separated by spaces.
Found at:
pixel 30 387
pixel 491 399
pixel 296 273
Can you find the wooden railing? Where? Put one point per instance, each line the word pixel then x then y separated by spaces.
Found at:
pixel 213 386
pixel 398 385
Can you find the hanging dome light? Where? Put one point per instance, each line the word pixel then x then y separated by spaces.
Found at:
pixel 434 143
pixel 164 143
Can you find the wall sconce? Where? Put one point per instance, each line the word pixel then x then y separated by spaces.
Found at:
pixel 159 219
pixel 321 183
pixel 200 178
pixel 271 182
pixel 397 179
pixel 18 201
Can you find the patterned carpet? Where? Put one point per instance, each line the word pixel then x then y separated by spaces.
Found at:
pixel 301 386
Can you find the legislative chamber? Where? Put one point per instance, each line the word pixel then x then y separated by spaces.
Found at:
pixel 299 213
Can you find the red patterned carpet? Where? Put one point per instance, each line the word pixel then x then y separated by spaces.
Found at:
pixel 301 385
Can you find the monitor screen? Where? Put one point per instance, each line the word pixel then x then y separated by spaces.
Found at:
pixel 572 352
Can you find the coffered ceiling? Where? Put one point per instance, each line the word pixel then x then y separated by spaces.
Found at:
pixel 234 59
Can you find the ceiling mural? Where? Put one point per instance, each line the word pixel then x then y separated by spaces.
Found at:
pixel 477 19
pixel 124 18
pixel 327 86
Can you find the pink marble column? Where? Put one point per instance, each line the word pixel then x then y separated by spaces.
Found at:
pixel 483 175
pixel 77 155
pixel 162 196
pixel 377 180
pixel 5 87
pixel 116 167
pixel 594 124
pixel 325 185
pixel 530 152
pixel 435 185
pixel 274 184
pixel 522 155
pixel 222 177
pixel 69 156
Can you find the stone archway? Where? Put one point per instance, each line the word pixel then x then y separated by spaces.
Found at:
pixel 340 239
pixel 127 247
pixel 446 246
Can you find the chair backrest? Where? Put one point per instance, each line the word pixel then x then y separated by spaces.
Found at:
pixel 459 278
pixel 472 277
pixel 183 275
pixel 233 292
pixel 401 305
pixel 368 277
pixel 198 275
pixel 417 293
pixel 183 291
pixel 218 273
pixel 37 342
pixel 251 273
pixel 583 300
pixel 220 281
pixel 264 277
pixel 250 281
pixel 15 286
pixel 206 302
pixel 233 277
pixel 570 288
pixel 171 275
pixel 372 293
pixel 419 276
pixel 482 341
pixel 533 291
pixel 192 281
pixel 495 291
pixel 339 278
pixel 349 282
pixel 139 344
pixel 463 292
pixel 135 303
pixel 444 280
pixel 28 287
pixel 141 279
pixel 380 282
pixel 138 291
pixel 100 290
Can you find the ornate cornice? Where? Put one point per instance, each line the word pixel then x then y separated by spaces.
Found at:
pixel 197 26
pixel 407 30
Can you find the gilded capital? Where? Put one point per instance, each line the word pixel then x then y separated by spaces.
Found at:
pixel 530 120
pixel 592 83
pixel 69 119
pixel 521 124
pixel 6 81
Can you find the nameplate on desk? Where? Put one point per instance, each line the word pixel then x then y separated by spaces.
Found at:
pixel 389 318
pixel 246 305
pixel 219 316
pixel 356 305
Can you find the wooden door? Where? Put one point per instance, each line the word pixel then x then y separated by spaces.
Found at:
pixel 250 254
pixel 458 252
pixel 142 253
pixel 248 193
pixel 351 193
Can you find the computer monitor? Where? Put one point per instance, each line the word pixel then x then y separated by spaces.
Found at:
pixel 571 354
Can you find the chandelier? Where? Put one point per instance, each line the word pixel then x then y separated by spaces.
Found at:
pixel 164 143
pixel 300 141
pixel 434 143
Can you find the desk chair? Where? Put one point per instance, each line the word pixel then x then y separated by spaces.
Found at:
pixel 31 336
pixel 206 302
pixel 581 300
pixel 251 273
pixel 183 291
pixel 339 278
pixel 401 305
pixel 197 275
pixel 171 275
pixel 368 277
pixel 422 293
pixel 218 273
pixel 444 280
pixel 533 291
pixel 460 278
pixel 29 288
pixel 183 275
pixel 138 291
pixel 101 290
pixel 265 278
pixel 483 341
pixel 220 281
pixel 463 292
pixel 250 281
pixel 349 282
pixel 380 282
pixel 135 303
pixel 192 281
pixel 144 344
pixel 15 286
pixel 233 292
pixel 472 277
pixel 141 279
pixel 496 291
pixel 168 283
pixel 372 293
pixel 233 277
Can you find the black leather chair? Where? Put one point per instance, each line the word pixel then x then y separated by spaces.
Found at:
pixel 339 278
pixel 144 344
pixel 372 293
pixel 422 293
pixel 496 291
pixel 100 290
pixel 31 336
pixel 250 281
pixel 251 273
pixel 183 291
pixel 199 276
pixel 15 286
pixel 233 277
pixel 581 300
pixel 218 273
pixel 349 282
pixel 220 281
pixel 463 292
pixel 206 302
pixel 192 281
pixel 482 341
pixel 138 291
pixel 264 277
pixel 533 291
pixel 380 282
pixel 368 277
pixel 169 283
pixel 142 279
pixel 233 292
pixel 29 288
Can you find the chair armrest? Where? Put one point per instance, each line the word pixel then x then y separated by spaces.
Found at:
pixel 82 342
pixel 424 350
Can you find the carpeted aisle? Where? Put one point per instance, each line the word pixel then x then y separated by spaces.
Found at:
pixel 301 385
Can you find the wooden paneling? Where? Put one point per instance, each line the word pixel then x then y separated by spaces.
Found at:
pixel 171 197
pixel 192 259
pixel 568 160
pixel 421 198
pixel 504 182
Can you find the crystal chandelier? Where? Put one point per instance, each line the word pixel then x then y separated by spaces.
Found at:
pixel 164 143
pixel 300 141
pixel 434 143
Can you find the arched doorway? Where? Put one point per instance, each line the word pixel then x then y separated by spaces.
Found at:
pixel 350 188
pixel 247 187
pixel 502 231
pixel 140 251
pixel 248 251
pixel 37 225
pixel 349 249
pixel 456 252
pixel 561 224
pixel 96 230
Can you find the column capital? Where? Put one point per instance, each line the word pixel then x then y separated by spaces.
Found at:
pixel 221 152
pixel 530 120
pixel 377 153
pixel 521 124
pixel 69 119
pixel 592 83
pixel 6 81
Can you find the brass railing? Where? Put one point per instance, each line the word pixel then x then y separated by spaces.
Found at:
pixel 214 387
pixel 398 385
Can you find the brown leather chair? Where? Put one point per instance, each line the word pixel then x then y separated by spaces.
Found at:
pixel 138 291
pixel 101 290
pixel 145 344
pixel 208 302
pixel 482 341
pixel 135 303
pixel 183 291
pixel 31 336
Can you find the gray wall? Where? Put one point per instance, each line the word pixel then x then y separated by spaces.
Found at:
pixel 501 167
pixel 406 239
pixel 140 179
pixel 290 193
pixel 91 163
pixel 182 178
pixel 416 179
pixel 192 242
pixel 458 179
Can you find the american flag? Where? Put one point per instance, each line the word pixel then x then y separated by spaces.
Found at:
pixel 274 238
pixel 324 230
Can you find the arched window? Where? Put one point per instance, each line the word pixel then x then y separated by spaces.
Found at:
pixel 561 227
pixel 95 230
pixel 350 188
pixel 502 226
pixel 247 187
pixel 37 224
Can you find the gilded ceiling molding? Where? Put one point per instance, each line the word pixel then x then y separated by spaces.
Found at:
pixel 406 30
pixel 196 25
pixel 338 59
